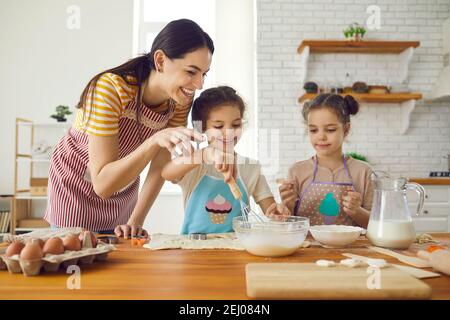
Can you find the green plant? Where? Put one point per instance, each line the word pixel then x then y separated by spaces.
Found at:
pixel 356 156
pixel 353 30
pixel 61 112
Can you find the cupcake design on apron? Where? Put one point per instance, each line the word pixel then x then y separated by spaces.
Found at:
pixel 218 209
pixel 203 215
pixel 329 208
pixel 321 200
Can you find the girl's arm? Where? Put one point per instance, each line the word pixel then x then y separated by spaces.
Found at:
pixel 110 174
pixel 264 204
pixel 361 217
pixel 178 167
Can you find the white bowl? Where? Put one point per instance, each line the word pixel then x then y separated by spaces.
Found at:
pixel 271 238
pixel 335 235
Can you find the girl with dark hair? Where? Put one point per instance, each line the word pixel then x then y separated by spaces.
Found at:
pixel 128 116
pixel 329 188
pixel 209 204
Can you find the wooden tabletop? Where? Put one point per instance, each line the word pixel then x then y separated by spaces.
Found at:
pixel 138 273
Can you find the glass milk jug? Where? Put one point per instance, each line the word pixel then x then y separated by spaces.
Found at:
pixel 390 223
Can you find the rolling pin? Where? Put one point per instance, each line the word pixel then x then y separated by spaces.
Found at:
pixel 439 259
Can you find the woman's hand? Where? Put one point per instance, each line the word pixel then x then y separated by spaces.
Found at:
pixel 352 202
pixel 170 138
pixel 278 211
pixel 288 193
pixel 130 230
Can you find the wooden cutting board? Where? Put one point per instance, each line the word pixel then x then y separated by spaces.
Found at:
pixel 309 281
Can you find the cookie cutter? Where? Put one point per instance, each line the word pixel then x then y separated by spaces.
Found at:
pixel 197 236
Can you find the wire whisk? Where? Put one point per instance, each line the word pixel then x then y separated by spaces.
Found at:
pixel 247 213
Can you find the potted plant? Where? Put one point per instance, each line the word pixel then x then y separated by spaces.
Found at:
pixel 354 31
pixel 61 112
pixel 357 156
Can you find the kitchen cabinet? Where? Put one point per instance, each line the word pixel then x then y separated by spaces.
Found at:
pixel 435 216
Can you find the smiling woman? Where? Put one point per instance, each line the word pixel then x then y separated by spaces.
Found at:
pixel 128 116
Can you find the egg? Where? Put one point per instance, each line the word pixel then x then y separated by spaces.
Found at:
pixel 53 246
pixel 72 243
pixel 86 234
pixel 31 251
pixel 40 242
pixel 14 248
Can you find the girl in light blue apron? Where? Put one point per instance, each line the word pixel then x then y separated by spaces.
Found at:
pixel 203 175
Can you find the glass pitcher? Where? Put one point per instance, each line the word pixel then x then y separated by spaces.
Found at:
pixel 390 223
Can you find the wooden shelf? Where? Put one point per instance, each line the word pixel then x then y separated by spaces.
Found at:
pixel 373 98
pixel 364 46
pixel 431 181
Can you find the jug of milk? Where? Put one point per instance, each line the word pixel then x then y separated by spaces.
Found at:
pixel 390 223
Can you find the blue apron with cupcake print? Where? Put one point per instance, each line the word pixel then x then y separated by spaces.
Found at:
pixel 212 207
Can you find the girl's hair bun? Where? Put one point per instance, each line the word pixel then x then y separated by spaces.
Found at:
pixel 351 104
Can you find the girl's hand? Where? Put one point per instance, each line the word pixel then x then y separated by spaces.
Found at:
pixel 171 137
pixel 352 202
pixel 128 231
pixel 224 163
pixel 278 211
pixel 288 193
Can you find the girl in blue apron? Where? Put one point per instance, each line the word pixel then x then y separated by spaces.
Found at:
pixel 203 175
pixel 333 198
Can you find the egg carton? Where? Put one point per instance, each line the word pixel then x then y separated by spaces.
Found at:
pixel 52 263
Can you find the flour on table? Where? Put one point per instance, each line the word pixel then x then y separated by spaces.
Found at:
pixel 159 241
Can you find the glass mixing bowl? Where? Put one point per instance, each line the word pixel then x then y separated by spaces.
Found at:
pixel 271 238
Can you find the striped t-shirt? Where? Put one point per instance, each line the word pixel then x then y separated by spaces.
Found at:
pixel 104 110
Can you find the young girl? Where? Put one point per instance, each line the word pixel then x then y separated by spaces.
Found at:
pixel 209 204
pixel 329 188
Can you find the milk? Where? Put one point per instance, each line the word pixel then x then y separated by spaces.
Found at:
pixel 396 234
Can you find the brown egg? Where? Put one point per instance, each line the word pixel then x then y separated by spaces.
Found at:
pixel 53 246
pixel 93 239
pixel 72 243
pixel 39 241
pixel 14 248
pixel 31 251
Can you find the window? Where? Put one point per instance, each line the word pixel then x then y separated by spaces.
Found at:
pixel 230 23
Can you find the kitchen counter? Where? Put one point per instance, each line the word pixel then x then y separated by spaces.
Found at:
pixel 138 273
pixel 431 181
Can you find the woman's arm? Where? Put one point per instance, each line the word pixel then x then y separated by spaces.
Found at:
pixel 110 174
pixel 147 196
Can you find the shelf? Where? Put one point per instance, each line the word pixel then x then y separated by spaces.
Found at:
pixel 431 181
pixel 364 46
pixel 373 98
pixel 28 196
pixel 45 124
pixel 31 160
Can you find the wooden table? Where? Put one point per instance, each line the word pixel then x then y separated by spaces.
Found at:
pixel 138 273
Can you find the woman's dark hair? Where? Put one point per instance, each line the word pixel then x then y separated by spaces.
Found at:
pixel 343 107
pixel 213 98
pixel 176 39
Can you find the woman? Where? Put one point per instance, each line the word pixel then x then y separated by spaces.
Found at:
pixel 128 116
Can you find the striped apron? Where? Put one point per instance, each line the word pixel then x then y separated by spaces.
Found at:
pixel 72 201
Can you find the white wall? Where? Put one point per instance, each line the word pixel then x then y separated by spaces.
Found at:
pixel 44 64
pixel 282 24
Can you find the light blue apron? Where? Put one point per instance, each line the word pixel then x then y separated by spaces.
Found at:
pixel 199 218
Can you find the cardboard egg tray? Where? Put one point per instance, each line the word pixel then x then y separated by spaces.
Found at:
pixel 52 263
